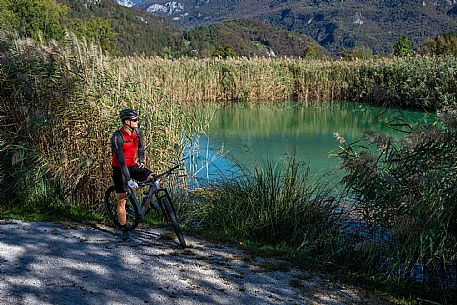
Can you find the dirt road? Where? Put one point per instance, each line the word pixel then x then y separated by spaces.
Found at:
pixel 48 263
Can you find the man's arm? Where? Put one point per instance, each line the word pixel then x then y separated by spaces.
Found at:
pixel 116 146
pixel 140 146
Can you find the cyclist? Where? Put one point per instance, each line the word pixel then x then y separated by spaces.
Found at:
pixel 126 143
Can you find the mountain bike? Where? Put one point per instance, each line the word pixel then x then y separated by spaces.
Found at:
pixel 153 197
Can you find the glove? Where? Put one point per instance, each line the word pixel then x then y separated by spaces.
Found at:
pixel 141 165
pixel 132 184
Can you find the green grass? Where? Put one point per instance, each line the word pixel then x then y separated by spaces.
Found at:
pixel 54 212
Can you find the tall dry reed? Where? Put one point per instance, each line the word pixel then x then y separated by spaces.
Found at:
pixel 59 106
pixel 418 82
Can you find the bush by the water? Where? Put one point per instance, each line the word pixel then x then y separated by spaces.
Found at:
pixel 276 204
pixel 405 197
pixel 395 220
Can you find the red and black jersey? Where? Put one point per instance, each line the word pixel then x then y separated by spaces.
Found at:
pixel 124 148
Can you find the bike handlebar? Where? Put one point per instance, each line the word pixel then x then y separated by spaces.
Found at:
pixel 156 177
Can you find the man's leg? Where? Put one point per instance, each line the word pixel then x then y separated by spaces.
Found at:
pixel 122 215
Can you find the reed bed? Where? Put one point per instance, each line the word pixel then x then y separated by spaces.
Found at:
pixel 60 105
pixel 416 82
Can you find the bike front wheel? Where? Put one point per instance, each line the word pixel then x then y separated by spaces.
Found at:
pixel 173 219
pixel 131 209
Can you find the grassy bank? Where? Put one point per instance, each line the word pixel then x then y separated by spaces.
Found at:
pixel 392 227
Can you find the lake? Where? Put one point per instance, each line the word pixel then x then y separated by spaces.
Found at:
pixel 255 134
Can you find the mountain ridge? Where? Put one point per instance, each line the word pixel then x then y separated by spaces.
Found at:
pixel 247 37
pixel 138 32
pixel 135 31
pixel 335 24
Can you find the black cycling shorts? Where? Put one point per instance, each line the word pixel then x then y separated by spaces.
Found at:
pixel 136 173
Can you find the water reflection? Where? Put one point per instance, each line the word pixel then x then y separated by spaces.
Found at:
pixel 268 133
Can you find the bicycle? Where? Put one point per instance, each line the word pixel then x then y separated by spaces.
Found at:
pixel 154 197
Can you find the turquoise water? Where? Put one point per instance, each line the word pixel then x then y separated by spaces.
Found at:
pixel 257 134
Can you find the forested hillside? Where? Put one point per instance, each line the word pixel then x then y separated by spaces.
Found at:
pixel 335 24
pixel 140 32
pixel 248 38
pixel 339 26
pixel 127 31
pixel 134 31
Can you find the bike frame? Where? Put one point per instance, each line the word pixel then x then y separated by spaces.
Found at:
pixel 136 210
pixel 155 191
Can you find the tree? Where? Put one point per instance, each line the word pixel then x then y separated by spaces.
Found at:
pixel 359 52
pixel 403 47
pixel 440 45
pixel 7 18
pixel 96 30
pixel 315 51
pixel 33 18
pixel 223 52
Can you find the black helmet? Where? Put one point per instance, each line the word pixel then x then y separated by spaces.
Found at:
pixel 127 114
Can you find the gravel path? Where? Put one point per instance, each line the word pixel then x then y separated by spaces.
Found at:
pixel 48 263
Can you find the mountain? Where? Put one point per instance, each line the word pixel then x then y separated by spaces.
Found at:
pixel 135 31
pixel 139 32
pixel 335 24
pixel 123 30
pixel 247 37
pixel 129 3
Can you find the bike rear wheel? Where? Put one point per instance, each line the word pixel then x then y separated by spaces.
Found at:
pixel 131 209
pixel 173 219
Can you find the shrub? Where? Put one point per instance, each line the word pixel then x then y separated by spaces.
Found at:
pixel 359 52
pixel 403 47
pixel 223 52
pixel 315 51
pixel 275 204
pixel 440 45
pixel 405 198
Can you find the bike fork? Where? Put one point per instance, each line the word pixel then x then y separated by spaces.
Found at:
pixel 164 195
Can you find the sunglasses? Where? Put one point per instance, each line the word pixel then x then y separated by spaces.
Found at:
pixel 134 119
